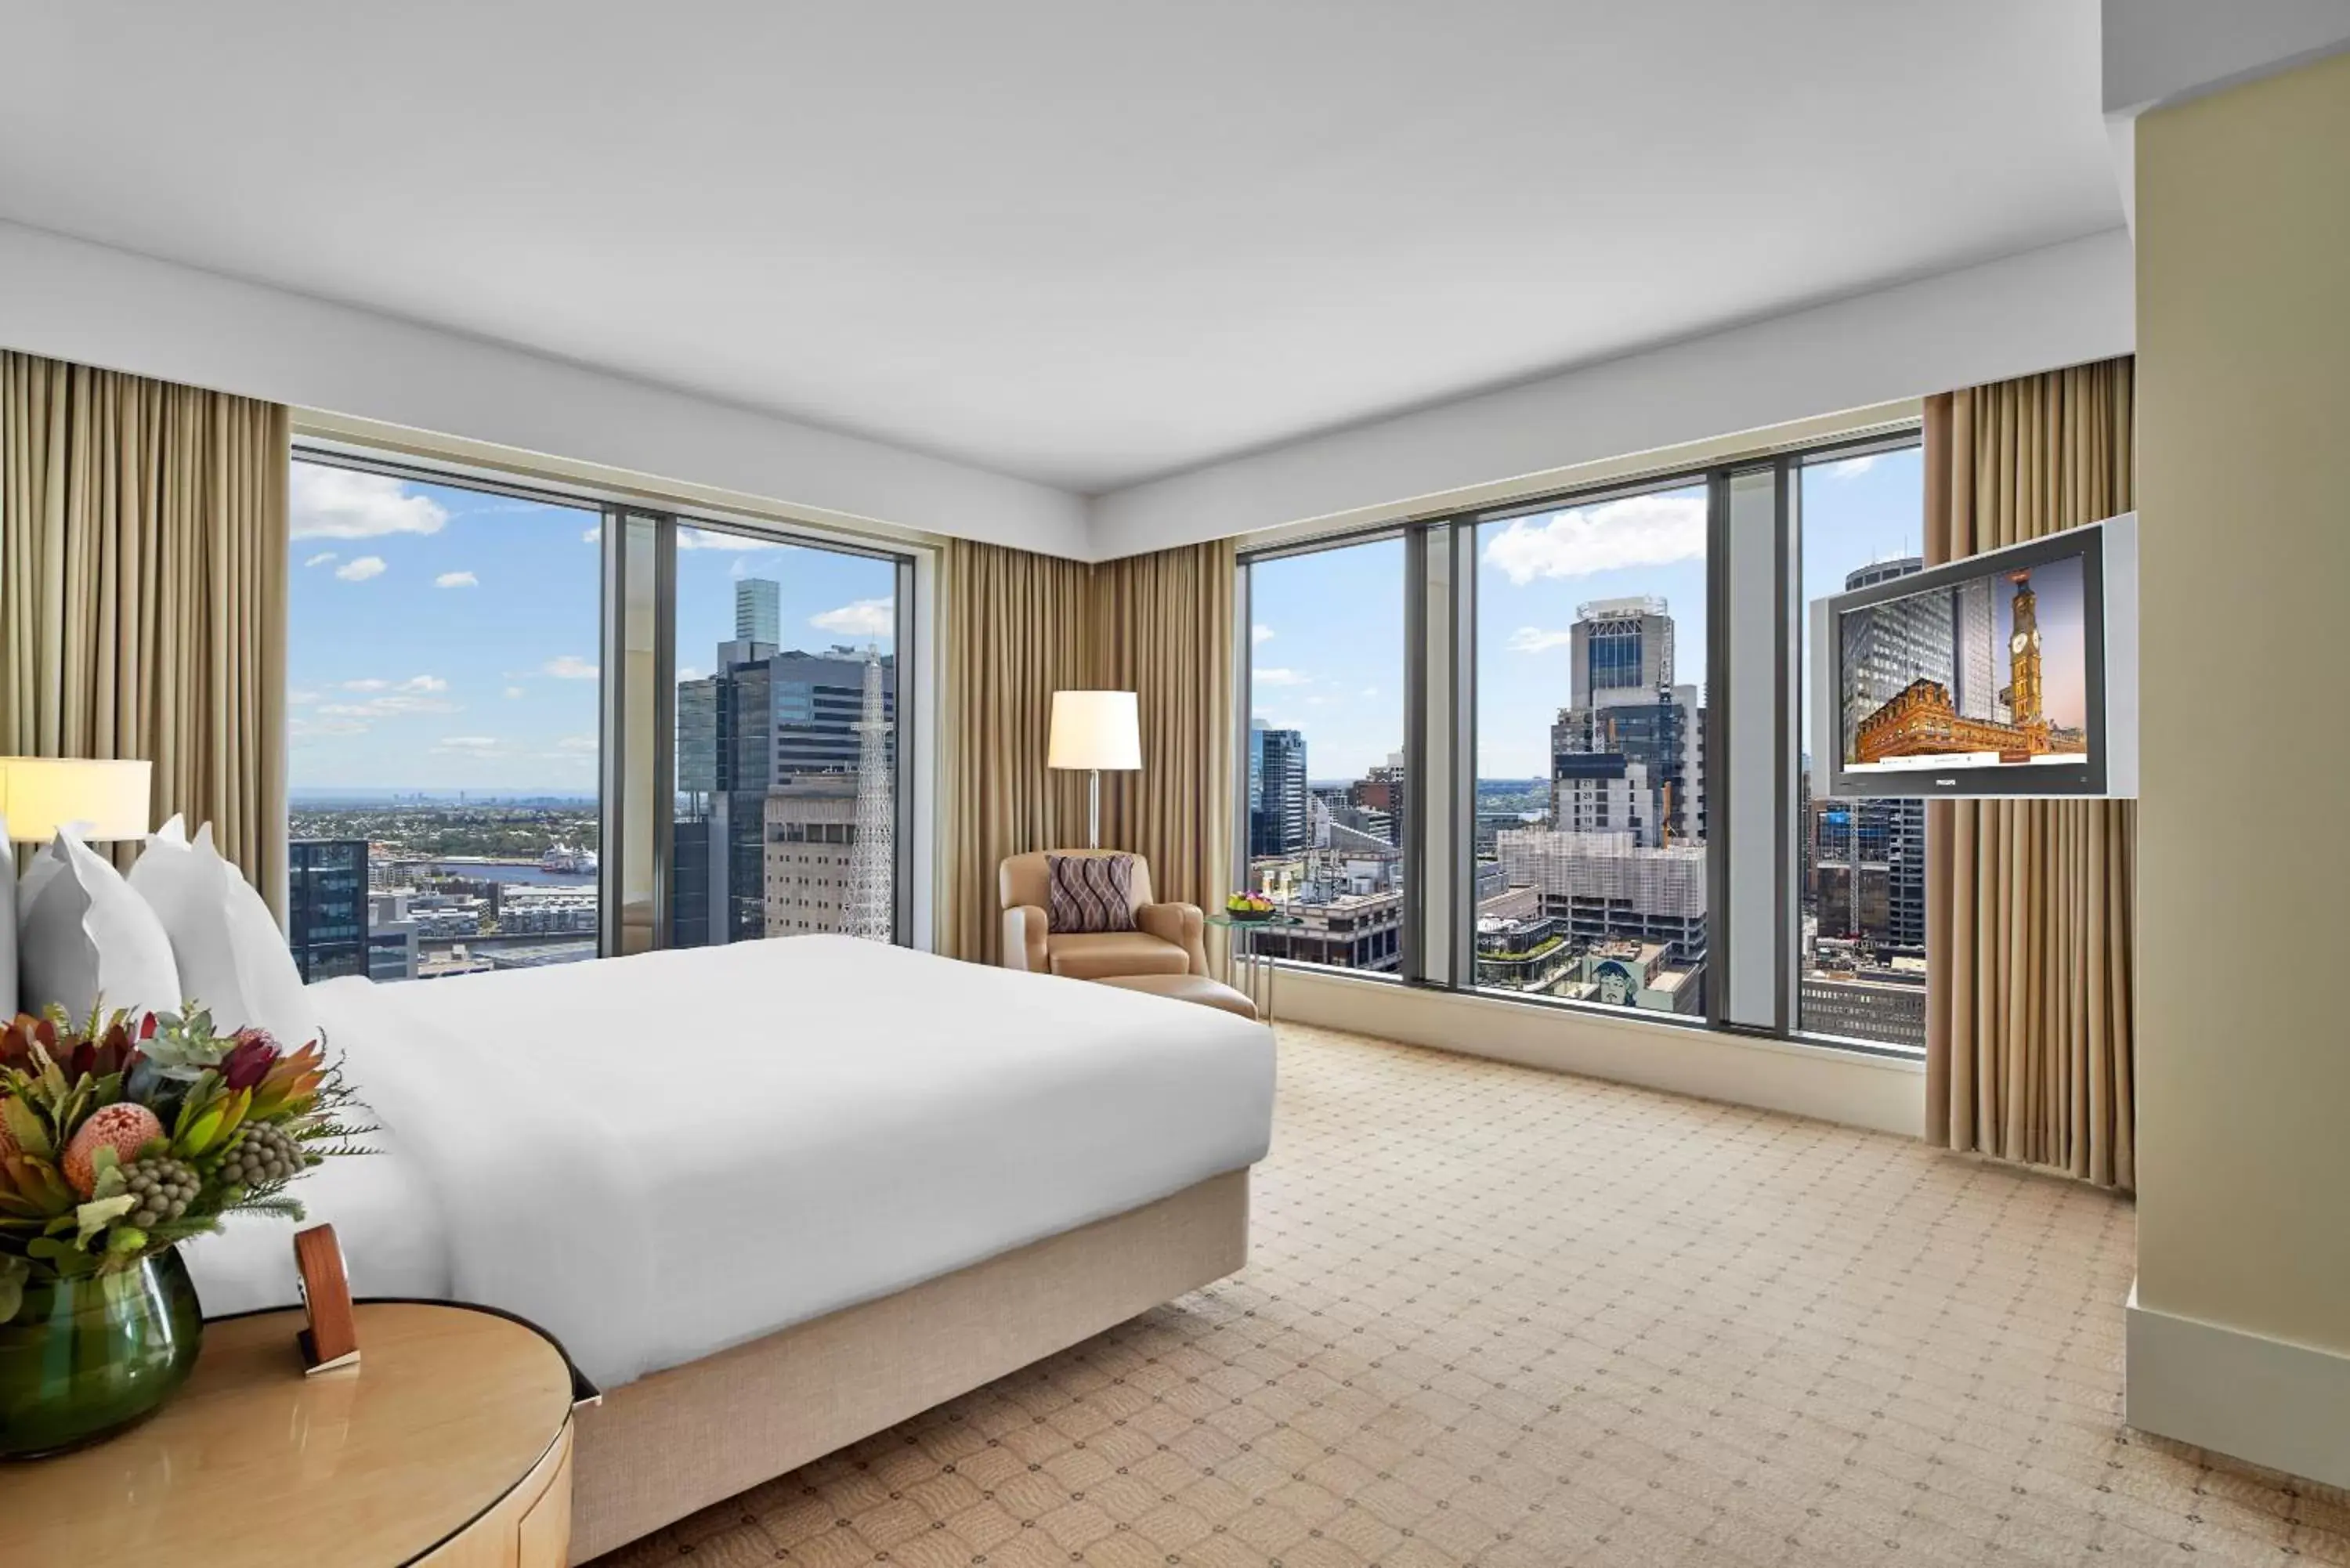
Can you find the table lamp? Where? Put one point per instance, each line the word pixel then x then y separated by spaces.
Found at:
pixel 1092 731
pixel 91 799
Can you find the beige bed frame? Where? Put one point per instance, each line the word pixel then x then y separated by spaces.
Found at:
pixel 665 1446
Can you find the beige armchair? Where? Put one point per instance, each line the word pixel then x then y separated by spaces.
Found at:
pixel 1167 938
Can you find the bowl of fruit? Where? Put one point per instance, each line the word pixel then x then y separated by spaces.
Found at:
pixel 1248 907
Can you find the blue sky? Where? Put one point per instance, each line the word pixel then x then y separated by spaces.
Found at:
pixel 1328 626
pixel 441 639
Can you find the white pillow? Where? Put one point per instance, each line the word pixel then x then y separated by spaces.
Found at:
pixel 7 926
pixel 82 934
pixel 232 960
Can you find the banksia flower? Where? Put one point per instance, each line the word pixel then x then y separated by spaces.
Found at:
pixel 160 1189
pixel 125 1128
pixel 259 1155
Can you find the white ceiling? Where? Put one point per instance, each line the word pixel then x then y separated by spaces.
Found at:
pixel 1078 241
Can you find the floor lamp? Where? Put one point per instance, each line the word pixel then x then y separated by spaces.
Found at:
pixel 1092 731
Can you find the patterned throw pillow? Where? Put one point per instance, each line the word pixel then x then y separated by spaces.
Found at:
pixel 1091 892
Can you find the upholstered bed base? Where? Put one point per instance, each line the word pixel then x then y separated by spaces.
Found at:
pixel 664 1445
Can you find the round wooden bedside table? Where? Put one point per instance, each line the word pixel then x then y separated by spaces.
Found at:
pixel 449 1444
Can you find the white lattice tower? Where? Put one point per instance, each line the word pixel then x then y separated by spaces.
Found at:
pixel 872 858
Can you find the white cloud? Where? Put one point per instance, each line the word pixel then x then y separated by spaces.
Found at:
pixel 518 691
pixel 471 745
pixel 301 699
pixel 1638 530
pixel 567 667
pixel 712 539
pixel 343 504
pixel 310 728
pixel 1853 467
pixel 320 559
pixel 691 672
pixel 456 580
pixel 1533 639
pixel 1260 634
pixel 1370 691
pixel 865 618
pixel 576 744
pixel 595 534
pixel 424 683
pixel 370 684
pixel 1276 675
pixel 360 570
pixel 391 705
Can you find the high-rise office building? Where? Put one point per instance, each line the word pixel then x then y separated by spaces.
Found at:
pixel 1622 651
pixel 1975 665
pixel 811 846
pixel 326 906
pixel 1629 753
pixel 758 611
pixel 756 725
pixel 1280 822
pixel 1897 642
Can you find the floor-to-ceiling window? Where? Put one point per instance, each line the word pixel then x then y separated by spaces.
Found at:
pixel 1604 749
pixel 786 812
pixel 470 786
pixel 1329 792
pixel 1591 778
pixel 1861 866
pixel 443 725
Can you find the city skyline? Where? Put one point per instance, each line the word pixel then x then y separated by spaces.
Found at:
pixel 444 639
pixel 1319 618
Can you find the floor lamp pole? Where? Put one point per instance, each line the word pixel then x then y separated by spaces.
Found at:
pixel 1093 808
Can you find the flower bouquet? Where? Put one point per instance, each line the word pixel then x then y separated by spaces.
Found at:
pixel 121 1139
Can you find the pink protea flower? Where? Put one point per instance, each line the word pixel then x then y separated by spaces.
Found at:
pixel 125 1128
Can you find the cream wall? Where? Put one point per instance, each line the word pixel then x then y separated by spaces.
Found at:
pixel 2243 385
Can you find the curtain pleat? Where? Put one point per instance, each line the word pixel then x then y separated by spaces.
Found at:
pixel 2030 904
pixel 143 583
pixel 1162 627
pixel 1019 627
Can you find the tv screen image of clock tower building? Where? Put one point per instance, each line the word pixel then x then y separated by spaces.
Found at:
pixel 1993 671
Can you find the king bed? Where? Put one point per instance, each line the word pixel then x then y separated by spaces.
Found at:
pixel 775 1196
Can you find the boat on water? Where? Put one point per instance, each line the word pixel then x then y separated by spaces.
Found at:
pixel 564 857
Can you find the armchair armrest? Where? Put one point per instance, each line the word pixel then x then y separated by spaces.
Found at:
pixel 1181 924
pixel 1024 928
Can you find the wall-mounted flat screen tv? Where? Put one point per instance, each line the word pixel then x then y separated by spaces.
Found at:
pixel 2014 672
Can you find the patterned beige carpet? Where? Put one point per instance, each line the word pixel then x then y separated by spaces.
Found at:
pixel 1504 1319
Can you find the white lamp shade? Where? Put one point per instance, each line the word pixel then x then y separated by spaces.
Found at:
pixel 96 799
pixel 1094 730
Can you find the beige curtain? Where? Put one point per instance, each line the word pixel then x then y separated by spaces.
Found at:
pixel 2031 905
pixel 142 591
pixel 1015 627
pixel 1163 629
pixel 1018 627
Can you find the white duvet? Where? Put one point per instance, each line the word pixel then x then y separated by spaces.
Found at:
pixel 656 1158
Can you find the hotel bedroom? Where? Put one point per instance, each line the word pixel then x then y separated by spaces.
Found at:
pixel 1171 787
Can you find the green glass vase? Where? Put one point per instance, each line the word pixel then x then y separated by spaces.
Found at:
pixel 82 1359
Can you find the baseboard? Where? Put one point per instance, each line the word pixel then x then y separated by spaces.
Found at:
pixel 2265 1401
pixel 1884 1093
